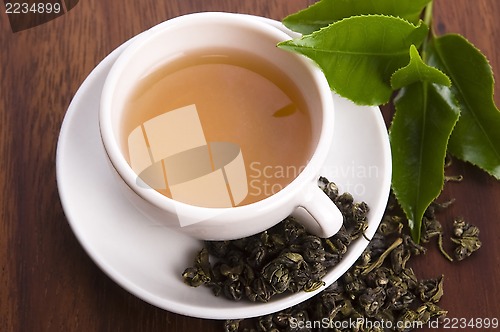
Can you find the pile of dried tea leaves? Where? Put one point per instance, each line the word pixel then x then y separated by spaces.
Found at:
pixel 380 292
pixel 285 258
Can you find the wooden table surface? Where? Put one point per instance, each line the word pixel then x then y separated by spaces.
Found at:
pixel 49 283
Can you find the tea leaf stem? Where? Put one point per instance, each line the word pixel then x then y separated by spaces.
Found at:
pixel 382 257
pixel 441 249
pixel 428 14
pixel 428 22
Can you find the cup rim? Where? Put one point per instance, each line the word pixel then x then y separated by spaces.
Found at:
pixel 128 176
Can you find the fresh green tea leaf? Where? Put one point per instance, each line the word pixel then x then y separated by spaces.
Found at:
pixel 417 71
pixel 476 138
pixel 325 12
pixel 425 116
pixel 359 54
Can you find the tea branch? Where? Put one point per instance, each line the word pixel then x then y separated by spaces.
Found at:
pixel 444 101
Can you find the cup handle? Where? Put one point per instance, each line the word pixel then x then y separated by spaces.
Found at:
pixel 318 213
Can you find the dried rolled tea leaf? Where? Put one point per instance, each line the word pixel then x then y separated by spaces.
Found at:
pixel 312 286
pixel 372 300
pixel 379 277
pixel 232 325
pixel 259 290
pixel 411 246
pixel 399 298
pixel 194 278
pixel 409 278
pixel 431 290
pixel 390 225
pixel 466 237
pixel 354 285
pixel 201 272
pixel 431 227
pixel 233 289
pixel 329 188
pixel 399 257
pixel 276 273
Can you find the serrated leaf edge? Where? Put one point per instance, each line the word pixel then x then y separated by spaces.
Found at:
pixel 496 176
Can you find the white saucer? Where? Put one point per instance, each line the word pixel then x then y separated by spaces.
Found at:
pixel 148 260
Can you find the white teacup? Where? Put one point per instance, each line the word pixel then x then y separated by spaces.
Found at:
pixel 301 198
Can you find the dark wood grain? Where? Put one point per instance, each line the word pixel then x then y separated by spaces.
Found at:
pixel 48 283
